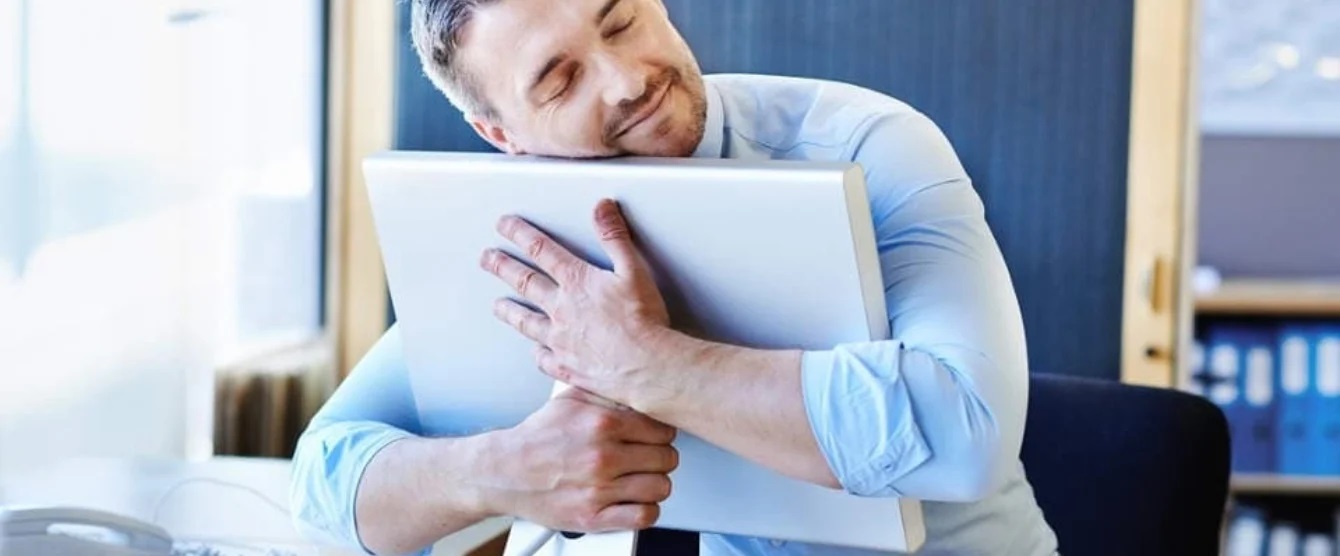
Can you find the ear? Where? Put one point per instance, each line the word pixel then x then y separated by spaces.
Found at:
pixel 494 134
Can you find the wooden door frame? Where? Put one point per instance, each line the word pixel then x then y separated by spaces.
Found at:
pixel 1161 192
pixel 360 97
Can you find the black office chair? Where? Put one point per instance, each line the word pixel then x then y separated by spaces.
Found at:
pixel 1122 469
pixel 1117 469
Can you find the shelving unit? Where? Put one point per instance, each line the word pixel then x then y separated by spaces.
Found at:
pixel 1275 298
pixel 1284 298
pixel 1274 484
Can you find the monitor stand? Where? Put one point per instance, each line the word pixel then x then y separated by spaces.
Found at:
pixel 529 539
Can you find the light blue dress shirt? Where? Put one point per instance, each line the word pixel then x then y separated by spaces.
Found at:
pixel 936 413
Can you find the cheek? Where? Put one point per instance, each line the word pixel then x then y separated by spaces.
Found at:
pixel 574 130
pixel 588 124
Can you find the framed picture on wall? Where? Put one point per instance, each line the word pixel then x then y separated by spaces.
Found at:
pixel 1270 67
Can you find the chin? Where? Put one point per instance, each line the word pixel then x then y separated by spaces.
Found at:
pixel 659 151
pixel 671 142
pixel 666 149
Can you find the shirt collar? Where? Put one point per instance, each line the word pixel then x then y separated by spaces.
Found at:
pixel 714 130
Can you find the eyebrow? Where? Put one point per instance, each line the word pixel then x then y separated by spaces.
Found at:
pixel 605 10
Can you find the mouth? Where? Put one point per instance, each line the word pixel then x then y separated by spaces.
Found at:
pixel 647 111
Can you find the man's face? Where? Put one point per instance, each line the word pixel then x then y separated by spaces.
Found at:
pixel 584 78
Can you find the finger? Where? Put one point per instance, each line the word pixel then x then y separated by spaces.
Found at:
pixel 548 362
pixel 626 517
pixel 547 254
pixel 640 429
pixel 634 459
pixel 617 239
pixel 586 396
pixel 528 322
pixel 642 488
pixel 526 281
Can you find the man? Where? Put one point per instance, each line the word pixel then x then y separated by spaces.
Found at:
pixel 936 413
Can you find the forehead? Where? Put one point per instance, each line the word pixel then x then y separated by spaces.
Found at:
pixel 507 16
pixel 511 35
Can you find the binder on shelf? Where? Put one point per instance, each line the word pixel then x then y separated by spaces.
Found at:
pixel 1241 367
pixel 1325 437
pixel 1294 431
pixel 1318 544
pixel 1283 539
pixel 1247 532
pixel 1222 389
pixel 1259 369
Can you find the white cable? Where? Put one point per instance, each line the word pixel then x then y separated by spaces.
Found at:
pixel 212 481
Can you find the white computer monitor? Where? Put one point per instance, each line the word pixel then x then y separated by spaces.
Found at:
pixel 768 254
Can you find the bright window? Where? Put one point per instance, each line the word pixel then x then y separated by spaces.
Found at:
pixel 9 62
pixel 160 213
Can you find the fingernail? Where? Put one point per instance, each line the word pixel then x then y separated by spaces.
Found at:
pixel 607 210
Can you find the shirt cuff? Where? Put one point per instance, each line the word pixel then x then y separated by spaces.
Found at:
pixel 326 491
pixel 861 415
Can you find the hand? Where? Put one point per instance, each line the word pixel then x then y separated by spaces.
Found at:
pixel 579 464
pixel 599 330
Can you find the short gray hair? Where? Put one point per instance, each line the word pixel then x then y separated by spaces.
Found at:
pixel 436 27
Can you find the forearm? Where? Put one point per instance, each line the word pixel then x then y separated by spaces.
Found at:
pixel 844 418
pixel 418 490
pixel 746 401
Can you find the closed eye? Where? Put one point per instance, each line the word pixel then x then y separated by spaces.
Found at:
pixel 567 85
pixel 561 92
pixel 620 29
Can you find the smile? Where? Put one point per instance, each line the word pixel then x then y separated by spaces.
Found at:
pixel 651 109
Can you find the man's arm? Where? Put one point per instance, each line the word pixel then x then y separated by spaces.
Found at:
pixel 364 478
pixel 936 413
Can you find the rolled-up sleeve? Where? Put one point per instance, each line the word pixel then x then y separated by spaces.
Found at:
pixel 937 411
pixel 371 409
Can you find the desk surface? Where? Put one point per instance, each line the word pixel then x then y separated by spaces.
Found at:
pixel 222 500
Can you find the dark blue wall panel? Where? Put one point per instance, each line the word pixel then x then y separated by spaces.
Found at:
pixel 1034 94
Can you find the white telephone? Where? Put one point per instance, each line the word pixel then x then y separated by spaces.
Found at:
pixel 78 532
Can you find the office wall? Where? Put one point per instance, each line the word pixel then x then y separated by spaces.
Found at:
pixel 1269 205
pixel 1034 94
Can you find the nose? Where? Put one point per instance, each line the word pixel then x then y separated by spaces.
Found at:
pixel 625 80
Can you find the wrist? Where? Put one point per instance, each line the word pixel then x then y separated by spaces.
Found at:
pixel 472 462
pixel 675 358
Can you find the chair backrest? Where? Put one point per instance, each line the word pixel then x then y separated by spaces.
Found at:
pixel 1122 469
